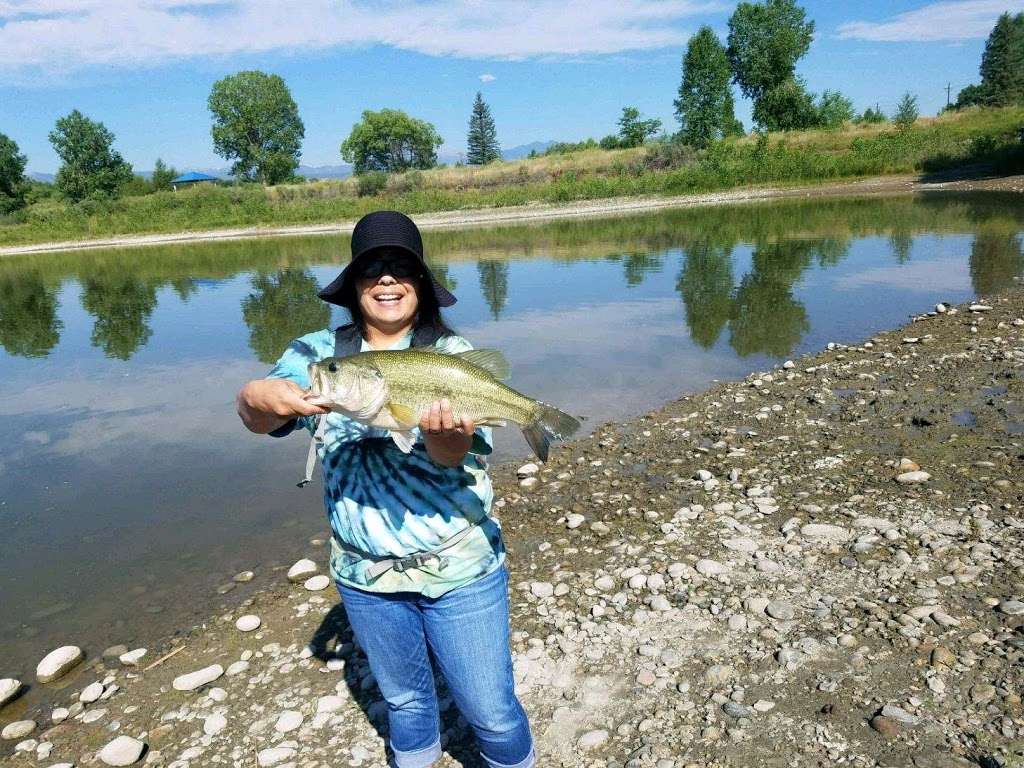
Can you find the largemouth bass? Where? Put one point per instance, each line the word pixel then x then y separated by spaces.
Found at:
pixel 390 389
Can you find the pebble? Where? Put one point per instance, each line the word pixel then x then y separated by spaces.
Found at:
pixel 592 739
pixel 825 531
pixel 124 750
pixel 19 729
pixel 198 679
pixel 59 714
pixel 574 520
pixel 737 710
pixel 267 758
pixel 885 725
pixel 526 470
pixel 711 568
pixel 243 577
pixel 913 478
pixel 541 589
pixel 214 724
pixel 329 704
pixel 741 544
pixel 719 674
pixel 287 721
pixel 302 570
pixel 9 688
pixel 317 583
pixel 237 668
pixel 942 657
pixel 132 658
pixel 900 715
pixel 248 623
pixel 58 663
pixel 1012 607
pixel 91 693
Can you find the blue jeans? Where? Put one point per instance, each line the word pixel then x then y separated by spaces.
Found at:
pixel 467 630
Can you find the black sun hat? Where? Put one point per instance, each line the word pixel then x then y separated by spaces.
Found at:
pixel 383 229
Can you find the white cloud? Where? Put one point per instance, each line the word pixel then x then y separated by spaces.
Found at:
pixel 947 21
pixel 53 37
pixel 487 77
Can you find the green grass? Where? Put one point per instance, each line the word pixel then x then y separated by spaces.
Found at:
pixel 975 136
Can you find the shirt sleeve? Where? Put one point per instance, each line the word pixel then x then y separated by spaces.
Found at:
pixel 483 441
pixel 293 365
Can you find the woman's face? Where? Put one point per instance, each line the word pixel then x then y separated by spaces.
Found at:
pixel 386 287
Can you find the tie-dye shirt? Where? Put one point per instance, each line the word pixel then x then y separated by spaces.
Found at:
pixel 384 503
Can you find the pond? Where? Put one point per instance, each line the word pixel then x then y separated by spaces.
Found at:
pixel 130 493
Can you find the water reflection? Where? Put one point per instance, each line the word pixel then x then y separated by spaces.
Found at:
pixel 996 257
pixel 282 307
pixel 122 304
pixel 29 326
pixel 494 285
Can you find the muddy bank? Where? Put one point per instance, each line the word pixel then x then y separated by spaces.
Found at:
pixel 817 565
pixel 954 181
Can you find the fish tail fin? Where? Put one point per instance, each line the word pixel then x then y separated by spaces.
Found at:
pixel 549 423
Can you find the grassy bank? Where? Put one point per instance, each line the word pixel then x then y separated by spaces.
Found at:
pixel 975 136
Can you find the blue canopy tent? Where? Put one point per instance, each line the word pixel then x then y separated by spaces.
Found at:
pixel 191 178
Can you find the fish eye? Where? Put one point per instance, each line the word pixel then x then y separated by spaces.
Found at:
pixel 332 367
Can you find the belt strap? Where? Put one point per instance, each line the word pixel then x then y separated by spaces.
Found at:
pixel 316 441
pixel 415 560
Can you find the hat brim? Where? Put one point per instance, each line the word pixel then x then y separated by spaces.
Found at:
pixel 334 292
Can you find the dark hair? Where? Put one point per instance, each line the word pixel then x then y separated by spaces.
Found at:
pixel 428 312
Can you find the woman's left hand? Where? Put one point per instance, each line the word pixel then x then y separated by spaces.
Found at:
pixel 447 440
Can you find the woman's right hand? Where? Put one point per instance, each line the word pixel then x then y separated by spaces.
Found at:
pixel 266 404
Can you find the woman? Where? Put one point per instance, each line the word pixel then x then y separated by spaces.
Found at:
pixel 415 554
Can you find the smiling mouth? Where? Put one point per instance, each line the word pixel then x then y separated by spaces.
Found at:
pixel 387 298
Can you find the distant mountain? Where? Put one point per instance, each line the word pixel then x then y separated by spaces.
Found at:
pixel 46 178
pixel 325 171
pixel 515 153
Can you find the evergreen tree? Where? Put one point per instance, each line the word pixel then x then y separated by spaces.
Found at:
pixel 1002 63
pixel 705 104
pixel 482 140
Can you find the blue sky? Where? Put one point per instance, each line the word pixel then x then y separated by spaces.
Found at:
pixel 550 69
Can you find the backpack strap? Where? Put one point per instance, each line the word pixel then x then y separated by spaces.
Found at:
pixel 348 339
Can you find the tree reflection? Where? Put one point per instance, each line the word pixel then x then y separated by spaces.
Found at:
pixel 766 317
pixel 705 284
pixel 29 325
pixel 282 307
pixel 440 271
pixel 494 284
pixel 638 264
pixel 901 242
pixel 996 258
pixel 121 305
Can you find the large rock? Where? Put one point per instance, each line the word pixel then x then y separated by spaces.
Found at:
pixel 124 750
pixel 711 568
pixel 825 531
pixel 9 688
pixel 19 729
pixel 58 663
pixel 913 478
pixel 198 679
pixel 248 623
pixel 317 583
pixel 132 658
pixel 267 758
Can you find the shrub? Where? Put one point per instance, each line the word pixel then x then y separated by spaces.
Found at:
pixel 371 183
pixel 401 183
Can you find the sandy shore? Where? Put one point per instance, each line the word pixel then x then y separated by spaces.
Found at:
pixel 883 185
pixel 821 564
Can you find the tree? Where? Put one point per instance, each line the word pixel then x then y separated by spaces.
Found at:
pixel 12 176
pixel 705 104
pixel 633 131
pixel 162 175
pixel 256 123
pixel 390 140
pixel 870 116
pixel 970 96
pixel 766 40
pixel 834 109
pixel 787 107
pixel 482 141
pixel 906 112
pixel 90 166
pixel 1002 63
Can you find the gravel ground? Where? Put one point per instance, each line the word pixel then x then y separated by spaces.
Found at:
pixel 817 565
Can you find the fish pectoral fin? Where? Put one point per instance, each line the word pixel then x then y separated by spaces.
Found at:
pixel 404 440
pixel 491 360
pixel 491 423
pixel 404 415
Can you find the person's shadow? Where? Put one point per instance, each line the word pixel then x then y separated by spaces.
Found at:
pixel 333 639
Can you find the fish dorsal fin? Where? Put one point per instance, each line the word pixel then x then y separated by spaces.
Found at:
pixel 491 360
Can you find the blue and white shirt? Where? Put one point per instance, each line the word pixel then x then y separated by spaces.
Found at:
pixel 384 503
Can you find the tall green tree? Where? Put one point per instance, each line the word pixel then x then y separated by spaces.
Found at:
pixel 705 103
pixel 633 131
pixel 256 123
pixel 12 176
pixel 787 107
pixel 162 175
pixel 482 141
pixel 390 140
pixel 1002 63
pixel 834 109
pixel 90 165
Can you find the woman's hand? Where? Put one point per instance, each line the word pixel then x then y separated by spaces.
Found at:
pixel 446 440
pixel 266 404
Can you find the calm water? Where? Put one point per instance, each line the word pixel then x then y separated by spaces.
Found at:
pixel 129 490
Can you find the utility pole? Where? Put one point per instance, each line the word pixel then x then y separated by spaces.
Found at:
pixel 948 87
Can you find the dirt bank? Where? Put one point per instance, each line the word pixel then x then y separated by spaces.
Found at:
pixel 738 578
pixel 882 185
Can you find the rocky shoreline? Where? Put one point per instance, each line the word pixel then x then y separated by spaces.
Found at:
pixel 817 565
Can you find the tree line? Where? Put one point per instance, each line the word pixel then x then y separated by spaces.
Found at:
pixel 256 122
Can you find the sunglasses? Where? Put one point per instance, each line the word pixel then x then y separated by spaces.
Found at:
pixel 396 266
